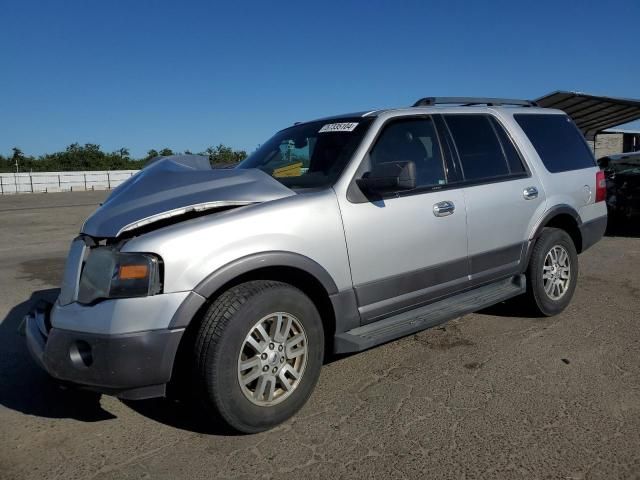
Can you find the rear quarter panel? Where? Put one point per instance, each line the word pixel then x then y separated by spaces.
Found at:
pixel 575 188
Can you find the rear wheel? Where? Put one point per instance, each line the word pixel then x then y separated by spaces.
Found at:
pixel 553 272
pixel 258 354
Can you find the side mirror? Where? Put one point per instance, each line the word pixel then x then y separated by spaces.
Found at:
pixel 389 177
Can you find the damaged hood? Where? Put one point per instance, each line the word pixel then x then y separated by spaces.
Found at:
pixel 176 185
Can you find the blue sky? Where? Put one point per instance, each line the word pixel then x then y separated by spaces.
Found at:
pixel 188 74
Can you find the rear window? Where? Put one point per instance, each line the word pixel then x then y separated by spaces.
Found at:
pixel 484 149
pixel 558 142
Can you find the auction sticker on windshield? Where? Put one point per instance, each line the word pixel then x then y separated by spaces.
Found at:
pixel 338 127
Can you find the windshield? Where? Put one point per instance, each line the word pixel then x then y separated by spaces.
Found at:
pixel 309 155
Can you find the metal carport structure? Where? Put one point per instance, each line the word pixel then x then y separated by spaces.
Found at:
pixel 593 113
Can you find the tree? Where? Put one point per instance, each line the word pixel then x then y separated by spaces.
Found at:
pixel 91 157
pixel 150 154
pixel 17 158
pixel 223 155
pixel 17 154
pixel 124 153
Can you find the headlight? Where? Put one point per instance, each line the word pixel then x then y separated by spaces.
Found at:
pixel 108 273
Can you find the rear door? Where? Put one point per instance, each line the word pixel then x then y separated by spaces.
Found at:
pixel 501 195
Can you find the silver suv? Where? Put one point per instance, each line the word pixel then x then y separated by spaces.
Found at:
pixel 335 235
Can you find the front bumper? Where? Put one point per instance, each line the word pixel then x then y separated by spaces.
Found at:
pixel 128 365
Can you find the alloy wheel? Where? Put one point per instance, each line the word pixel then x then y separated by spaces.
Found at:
pixel 272 359
pixel 556 272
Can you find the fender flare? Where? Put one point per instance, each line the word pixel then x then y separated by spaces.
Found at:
pixel 225 274
pixel 553 212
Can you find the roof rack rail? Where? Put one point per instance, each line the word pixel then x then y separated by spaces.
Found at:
pixel 467 101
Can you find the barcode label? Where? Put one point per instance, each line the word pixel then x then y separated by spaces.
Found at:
pixel 338 127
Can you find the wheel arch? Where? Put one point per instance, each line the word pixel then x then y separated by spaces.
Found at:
pixel 262 261
pixel 565 218
pixel 294 269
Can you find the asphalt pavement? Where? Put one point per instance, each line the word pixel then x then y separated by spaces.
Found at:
pixel 494 394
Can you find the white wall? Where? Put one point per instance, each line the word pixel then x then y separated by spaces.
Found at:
pixel 608 144
pixel 62 181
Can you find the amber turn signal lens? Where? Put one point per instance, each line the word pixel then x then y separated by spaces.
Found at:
pixel 133 272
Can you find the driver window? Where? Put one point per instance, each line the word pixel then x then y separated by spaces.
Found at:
pixel 412 140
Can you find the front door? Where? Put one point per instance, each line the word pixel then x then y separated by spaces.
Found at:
pixel 408 248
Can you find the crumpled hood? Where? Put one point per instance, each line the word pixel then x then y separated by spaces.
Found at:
pixel 173 186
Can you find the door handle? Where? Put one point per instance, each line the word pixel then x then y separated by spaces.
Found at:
pixel 442 209
pixel 530 193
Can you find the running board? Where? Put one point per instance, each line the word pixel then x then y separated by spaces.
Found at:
pixel 406 323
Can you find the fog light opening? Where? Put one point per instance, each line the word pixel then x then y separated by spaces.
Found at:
pixel 80 354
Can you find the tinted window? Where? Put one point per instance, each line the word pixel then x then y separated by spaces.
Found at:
pixel 480 152
pixel 310 154
pixel 412 140
pixel 558 142
pixel 513 157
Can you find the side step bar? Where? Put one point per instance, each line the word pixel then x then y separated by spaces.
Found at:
pixel 406 323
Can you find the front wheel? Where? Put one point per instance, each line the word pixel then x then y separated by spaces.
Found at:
pixel 258 354
pixel 553 272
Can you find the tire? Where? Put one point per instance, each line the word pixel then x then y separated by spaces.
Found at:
pixel 222 345
pixel 541 300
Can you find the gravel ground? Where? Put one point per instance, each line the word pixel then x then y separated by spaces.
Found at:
pixel 488 395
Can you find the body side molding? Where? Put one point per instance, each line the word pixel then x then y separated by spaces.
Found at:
pixel 390 296
pixel 406 323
